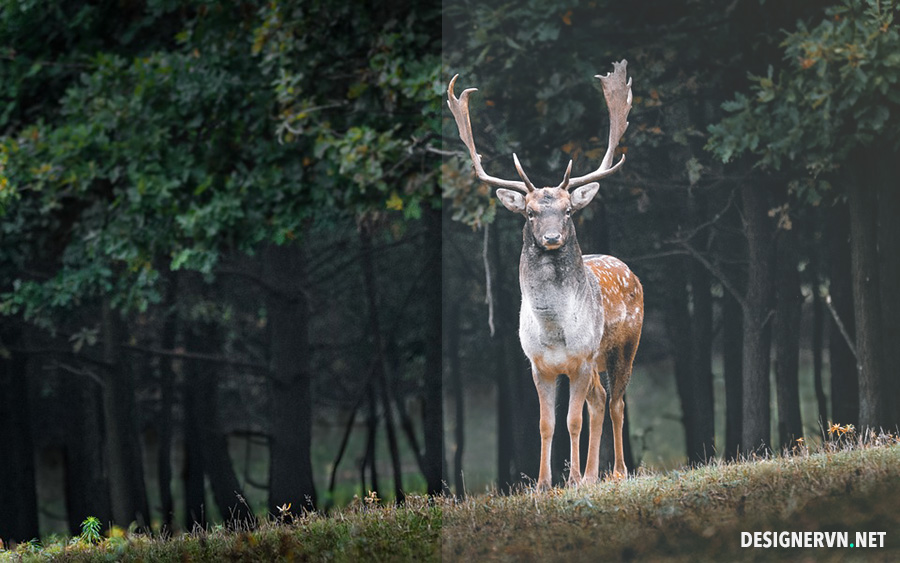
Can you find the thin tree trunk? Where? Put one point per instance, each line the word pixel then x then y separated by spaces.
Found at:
pixel 678 328
pixel 863 206
pixel 559 460
pixel 167 400
pixel 818 321
pixel 844 381
pixel 756 425
pixel 369 282
pixel 701 336
pixel 818 327
pixel 787 340
pixel 371 434
pixel 434 398
pixel 217 464
pixel 87 486
pixel 502 351
pixel 889 270
pixel 732 362
pixel 290 382
pixel 733 244
pixel 128 493
pixel 18 493
pixel 452 335
pixel 192 475
pixel 701 365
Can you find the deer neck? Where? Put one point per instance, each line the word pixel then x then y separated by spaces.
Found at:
pixel 551 279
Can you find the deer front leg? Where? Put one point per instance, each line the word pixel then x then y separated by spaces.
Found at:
pixel 578 388
pixel 596 399
pixel 546 389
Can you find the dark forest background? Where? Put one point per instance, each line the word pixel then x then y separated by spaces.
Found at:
pixel 244 261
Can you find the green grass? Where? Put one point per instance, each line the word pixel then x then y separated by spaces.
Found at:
pixel 364 531
pixel 691 515
pixel 679 515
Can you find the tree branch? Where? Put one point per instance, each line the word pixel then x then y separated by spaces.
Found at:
pixel 715 271
pixel 213 358
pixel 841 327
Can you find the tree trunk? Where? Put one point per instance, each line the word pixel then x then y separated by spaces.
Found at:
pixel 818 326
pixel 844 381
pixel 18 495
pixel 290 382
pixel 87 486
pixel 203 377
pixel 503 358
pixel 787 339
pixel 166 401
pixel 889 270
pixel 733 244
pixel 863 206
pixel 732 371
pixel 678 328
pixel 452 334
pixel 434 396
pixel 559 460
pixel 756 424
pixel 369 282
pixel 194 482
pixel 371 434
pixel 128 493
pixel 701 350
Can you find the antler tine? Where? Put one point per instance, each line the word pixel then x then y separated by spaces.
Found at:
pixel 522 175
pixel 460 109
pixel 565 183
pixel 617 91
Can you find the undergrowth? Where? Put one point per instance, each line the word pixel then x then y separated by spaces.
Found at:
pixel 848 485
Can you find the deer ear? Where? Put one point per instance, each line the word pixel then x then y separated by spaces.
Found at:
pixel 583 195
pixel 514 201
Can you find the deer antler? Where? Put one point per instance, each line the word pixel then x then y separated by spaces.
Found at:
pixel 618 99
pixel 460 109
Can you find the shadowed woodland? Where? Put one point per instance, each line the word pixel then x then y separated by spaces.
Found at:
pixel 244 262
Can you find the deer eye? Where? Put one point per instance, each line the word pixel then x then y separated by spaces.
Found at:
pixel 530 214
pixel 568 212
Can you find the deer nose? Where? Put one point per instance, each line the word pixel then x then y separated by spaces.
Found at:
pixel 551 239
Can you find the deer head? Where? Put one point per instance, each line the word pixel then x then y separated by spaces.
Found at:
pixel 549 210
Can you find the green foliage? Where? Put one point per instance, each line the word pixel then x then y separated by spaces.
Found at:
pixel 836 92
pixel 90 530
pixel 363 109
pixel 222 130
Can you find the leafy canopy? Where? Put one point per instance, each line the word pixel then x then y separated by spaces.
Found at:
pixel 231 128
pixel 836 93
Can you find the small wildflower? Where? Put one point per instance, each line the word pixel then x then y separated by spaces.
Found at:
pixel 284 512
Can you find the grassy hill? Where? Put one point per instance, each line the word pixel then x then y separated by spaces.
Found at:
pixel 686 515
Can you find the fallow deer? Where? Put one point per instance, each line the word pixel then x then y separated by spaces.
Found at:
pixel 580 315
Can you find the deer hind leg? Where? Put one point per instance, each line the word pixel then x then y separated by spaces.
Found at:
pixel 620 370
pixel 596 399
pixel 546 389
pixel 578 390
